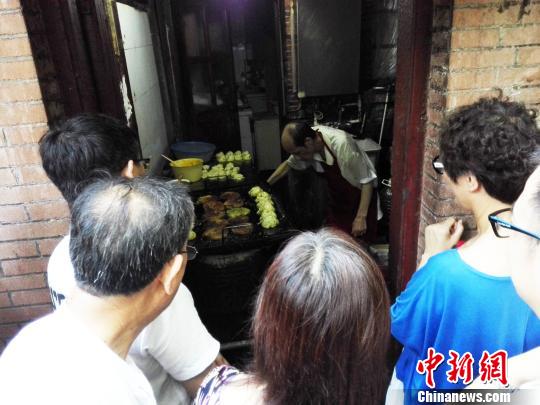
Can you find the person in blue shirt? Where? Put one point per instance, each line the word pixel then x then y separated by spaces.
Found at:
pixel 464 299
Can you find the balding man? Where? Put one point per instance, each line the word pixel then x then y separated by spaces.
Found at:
pixel 347 169
pixel 128 245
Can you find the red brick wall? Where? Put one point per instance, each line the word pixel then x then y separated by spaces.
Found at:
pixel 487 49
pixel 33 216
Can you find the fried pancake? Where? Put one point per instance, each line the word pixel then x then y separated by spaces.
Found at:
pixel 229 195
pixel 245 230
pixel 216 220
pixel 233 203
pixel 239 220
pixel 213 233
pixel 213 208
pixel 206 198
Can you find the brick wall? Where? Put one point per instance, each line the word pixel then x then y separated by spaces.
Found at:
pixel 484 48
pixel 33 216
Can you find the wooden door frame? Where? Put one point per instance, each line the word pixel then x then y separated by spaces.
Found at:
pixel 412 72
pixel 76 48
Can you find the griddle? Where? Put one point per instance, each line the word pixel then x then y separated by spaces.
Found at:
pixel 231 243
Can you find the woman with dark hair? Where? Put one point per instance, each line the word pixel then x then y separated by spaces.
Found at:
pixel 320 329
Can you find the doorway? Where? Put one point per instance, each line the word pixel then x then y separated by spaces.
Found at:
pixel 94 58
pixel 209 83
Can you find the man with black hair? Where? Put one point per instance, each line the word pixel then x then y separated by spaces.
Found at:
pixel 175 351
pixel 86 147
pixel 128 244
pixel 347 169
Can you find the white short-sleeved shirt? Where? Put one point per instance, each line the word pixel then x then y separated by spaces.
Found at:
pixel 174 347
pixel 354 164
pixel 57 360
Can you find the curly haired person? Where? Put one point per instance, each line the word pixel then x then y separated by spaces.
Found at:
pixel 463 299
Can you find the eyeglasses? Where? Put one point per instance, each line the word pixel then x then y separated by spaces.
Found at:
pixel 438 166
pixel 191 251
pixel 502 228
pixel 144 162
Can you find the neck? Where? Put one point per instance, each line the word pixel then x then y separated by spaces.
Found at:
pixel 486 252
pixel 482 209
pixel 116 320
pixel 319 143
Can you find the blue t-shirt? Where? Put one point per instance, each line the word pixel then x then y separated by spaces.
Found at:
pixel 449 305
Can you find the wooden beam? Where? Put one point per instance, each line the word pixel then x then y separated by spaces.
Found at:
pixel 413 61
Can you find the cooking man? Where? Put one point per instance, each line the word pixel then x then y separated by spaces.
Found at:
pixel 347 169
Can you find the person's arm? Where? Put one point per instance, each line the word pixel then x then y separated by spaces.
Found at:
pixel 522 369
pixel 188 353
pixel 440 237
pixel 358 170
pixel 413 311
pixel 193 384
pixel 281 171
pixel 359 225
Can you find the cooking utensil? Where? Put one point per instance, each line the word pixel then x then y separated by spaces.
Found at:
pixel 187 169
pixel 168 158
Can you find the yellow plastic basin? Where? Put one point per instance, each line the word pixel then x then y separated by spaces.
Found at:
pixel 188 169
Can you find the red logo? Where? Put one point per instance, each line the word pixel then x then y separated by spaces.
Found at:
pixel 494 367
pixel 461 368
pixel 491 367
pixel 429 365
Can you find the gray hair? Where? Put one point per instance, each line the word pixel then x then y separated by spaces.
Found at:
pixel 123 231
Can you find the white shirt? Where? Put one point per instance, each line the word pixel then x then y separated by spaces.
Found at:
pixel 57 360
pixel 354 164
pixel 174 347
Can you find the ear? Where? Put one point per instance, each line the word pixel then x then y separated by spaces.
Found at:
pixel 127 171
pixel 473 185
pixel 170 273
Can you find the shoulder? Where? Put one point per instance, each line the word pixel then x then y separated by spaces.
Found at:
pixel 226 385
pixel 335 138
pixel 213 384
pixel 181 309
pixel 427 280
pixel 438 265
pixel 343 146
pixel 296 163
pixel 443 259
pixel 59 256
pixel 60 355
pixel 181 306
pixel 177 339
pixel 39 343
pixel 30 337
pixel 60 273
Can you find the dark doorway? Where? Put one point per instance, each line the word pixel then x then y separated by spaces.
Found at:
pixel 209 85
